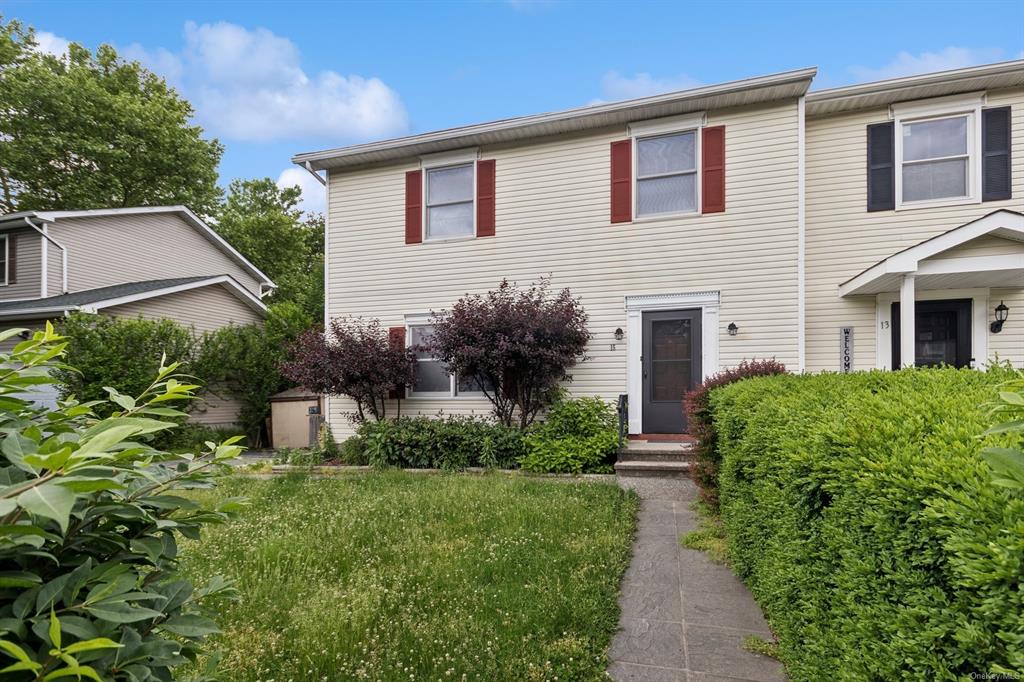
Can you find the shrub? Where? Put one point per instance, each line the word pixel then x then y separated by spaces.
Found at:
pixel 355 359
pixel 577 435
pixel 108 351
pixel 517 344
pixel 450 443
pixel 89 529
pixel 353 451
pixel 861 514
pixel 699 424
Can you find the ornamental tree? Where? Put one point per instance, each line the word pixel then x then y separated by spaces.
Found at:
pixel 518 344
pixel 355 358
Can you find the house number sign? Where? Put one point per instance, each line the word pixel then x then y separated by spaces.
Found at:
pixel 846 349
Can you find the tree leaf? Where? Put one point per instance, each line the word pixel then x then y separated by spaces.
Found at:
pixel 19 579
pixel 120 612
pixel 14 650
pixel 49 500
pixel 190 625
pixel 54 631
pixel 92 645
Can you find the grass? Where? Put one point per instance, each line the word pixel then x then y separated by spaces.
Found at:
pixel 392 576
pixel 761 646
pixel 709 537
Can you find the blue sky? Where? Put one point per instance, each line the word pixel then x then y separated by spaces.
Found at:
pixel 273 78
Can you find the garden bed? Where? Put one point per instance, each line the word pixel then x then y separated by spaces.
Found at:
pixel 394 576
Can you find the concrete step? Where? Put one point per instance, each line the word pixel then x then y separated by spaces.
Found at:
pixel 653 469
pixel 654 456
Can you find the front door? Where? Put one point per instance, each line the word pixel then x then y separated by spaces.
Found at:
pixel 943 330
pixel 671 365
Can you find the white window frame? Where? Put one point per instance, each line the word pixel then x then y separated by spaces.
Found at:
pixel 453 393
pixel 663 127
pixel 453 159
pixel 7 260
pixel 967 106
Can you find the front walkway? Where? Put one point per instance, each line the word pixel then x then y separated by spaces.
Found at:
pixel 684 618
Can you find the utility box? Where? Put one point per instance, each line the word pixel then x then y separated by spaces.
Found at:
pixel 295 415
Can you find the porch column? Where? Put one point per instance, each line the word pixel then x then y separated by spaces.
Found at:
pixel 908 347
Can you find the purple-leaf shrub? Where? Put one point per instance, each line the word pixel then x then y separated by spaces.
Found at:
pixel 355 359
pixel 700 422
pixel 517 343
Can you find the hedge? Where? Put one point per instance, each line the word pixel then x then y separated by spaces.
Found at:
pixel 865 523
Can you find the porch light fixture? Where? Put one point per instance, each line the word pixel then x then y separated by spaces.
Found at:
pixel 733 329
pixel 619 334
pixel 1002 312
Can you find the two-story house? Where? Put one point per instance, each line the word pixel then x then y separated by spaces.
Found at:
pixel 151 262
pixel 750 219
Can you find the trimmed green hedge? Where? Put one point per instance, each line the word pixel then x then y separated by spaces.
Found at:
pixel 865 522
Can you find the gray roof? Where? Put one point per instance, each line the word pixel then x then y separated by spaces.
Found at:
pixel 88 296
pixel 789 84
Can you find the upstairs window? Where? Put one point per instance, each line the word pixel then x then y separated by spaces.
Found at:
pixel 936 159
pixel 666 174
pixel 450 202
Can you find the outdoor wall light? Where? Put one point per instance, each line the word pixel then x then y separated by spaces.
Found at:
pixel 619 334
pixel 733 329
pixel 1002 312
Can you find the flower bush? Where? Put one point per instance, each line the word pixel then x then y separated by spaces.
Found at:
pixel 861 512
pixel 696 405
pixel 577 435
pixel 518 344
pixel 89 528
pixel 355 359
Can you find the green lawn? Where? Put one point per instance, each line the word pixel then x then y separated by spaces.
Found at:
pixel 397 576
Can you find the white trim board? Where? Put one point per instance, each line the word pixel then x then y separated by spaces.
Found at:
pixel 979 322
pixel 234 287
pixel 636 304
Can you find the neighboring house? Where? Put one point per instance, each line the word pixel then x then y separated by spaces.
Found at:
pixel 152 262
pixel 750 219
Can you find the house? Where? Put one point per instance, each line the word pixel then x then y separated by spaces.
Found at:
pixel 150 262
pixel 748 219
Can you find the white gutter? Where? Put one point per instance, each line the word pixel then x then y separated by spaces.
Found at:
pixel 801 231
pixel 63 258
pixel 309 167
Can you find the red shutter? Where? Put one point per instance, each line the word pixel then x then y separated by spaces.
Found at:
pixel 396 336
pixel 485 198
pixel 414 207
pixel 712 180
pixel 622 181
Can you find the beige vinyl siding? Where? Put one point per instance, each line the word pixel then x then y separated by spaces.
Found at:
pixel 204 309
pixel 843 238
pixel 7 345
pixel 130 248
pixel 28 265
pixel 552 210
pixel 54 271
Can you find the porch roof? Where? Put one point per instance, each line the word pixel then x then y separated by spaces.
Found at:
pixel 969 272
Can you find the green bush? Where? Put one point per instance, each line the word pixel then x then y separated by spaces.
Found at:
pixel 862 515
pixel 353 451
pixel 577 435
pixel 90 521
pixel 450 443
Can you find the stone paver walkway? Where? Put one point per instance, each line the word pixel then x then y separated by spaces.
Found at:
pixel 684 617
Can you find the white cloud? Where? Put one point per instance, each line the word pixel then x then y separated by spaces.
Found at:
pixel 314 196
pixel 51 44
pixel 249 85
pixel 906 64
pixel 616 86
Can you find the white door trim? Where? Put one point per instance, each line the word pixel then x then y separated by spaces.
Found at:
pixel 979 322
pixel 636 305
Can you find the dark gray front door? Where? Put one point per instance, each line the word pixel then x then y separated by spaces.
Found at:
pixel 671 366
pixel 943 330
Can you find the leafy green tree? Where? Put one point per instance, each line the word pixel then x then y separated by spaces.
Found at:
pixel 244 362
pixel 93 131
pixel 264 223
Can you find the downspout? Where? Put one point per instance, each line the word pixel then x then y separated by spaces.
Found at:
pixel 326 415
pixel 63 258
pixel 801 220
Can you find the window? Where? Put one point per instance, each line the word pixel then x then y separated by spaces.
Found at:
pixel 936 159
pixel 666 174
pixel 450 202
pixel 432 379
pixel 3 259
